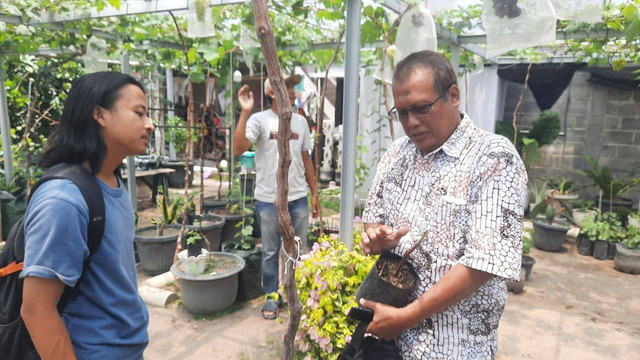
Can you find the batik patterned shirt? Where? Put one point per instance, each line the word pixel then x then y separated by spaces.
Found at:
pixel 469 194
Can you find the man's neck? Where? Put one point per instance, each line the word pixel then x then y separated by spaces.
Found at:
pixel 106 172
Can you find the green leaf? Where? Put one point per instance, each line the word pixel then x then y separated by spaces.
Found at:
pixel 531 153
pixel 633 30
pixel 630 13
pixel 546 128
pixel 209 52
pixel 191 55
pixel 115 3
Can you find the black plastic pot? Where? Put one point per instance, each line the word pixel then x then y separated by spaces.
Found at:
pixel 549 237
pixel 12 207
pixel 608 206
pixel 600 249
pixel 247 184
pixel 250 278
pixel 527 265
pixel 176 179
pixel 375 288
pixel 611 251
pixel 584 245
pixel 156 252
pixel 194 249
pixel 210 227
pixel 229 229
pixel 212 203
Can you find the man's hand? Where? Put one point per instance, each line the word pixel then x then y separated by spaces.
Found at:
pixel 388 321
pixel 315 204
pixel 245 98
pixel 376 239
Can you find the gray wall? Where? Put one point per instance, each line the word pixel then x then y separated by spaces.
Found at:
pixel 597 121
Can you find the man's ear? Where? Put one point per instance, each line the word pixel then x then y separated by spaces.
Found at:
pixel 99 116
pixel 454 96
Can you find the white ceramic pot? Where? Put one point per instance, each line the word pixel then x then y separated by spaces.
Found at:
pixel 580 216
pixel 194 265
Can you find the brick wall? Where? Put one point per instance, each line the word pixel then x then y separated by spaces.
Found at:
pixel 597 121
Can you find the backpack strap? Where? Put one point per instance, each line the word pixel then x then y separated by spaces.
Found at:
pixel 92 194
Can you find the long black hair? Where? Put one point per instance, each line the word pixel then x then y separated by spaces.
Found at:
pixel 78 137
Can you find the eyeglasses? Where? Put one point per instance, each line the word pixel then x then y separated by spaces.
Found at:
pixel 402 115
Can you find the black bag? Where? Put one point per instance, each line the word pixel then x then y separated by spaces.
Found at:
pixel 367 347
pixel 15 341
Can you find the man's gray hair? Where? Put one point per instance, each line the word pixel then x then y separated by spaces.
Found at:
pixel 443 74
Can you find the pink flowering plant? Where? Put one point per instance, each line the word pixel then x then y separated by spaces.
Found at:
pixel 327 278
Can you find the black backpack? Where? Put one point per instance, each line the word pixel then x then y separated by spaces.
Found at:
pixel 15 341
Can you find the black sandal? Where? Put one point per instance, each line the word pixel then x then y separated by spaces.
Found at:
pixel 271 306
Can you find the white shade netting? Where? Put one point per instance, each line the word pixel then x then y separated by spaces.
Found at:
pixel 437 7
pixel 516 24
pixel 579 10
pixel 416 32
pixel 200 22
pixel 95 58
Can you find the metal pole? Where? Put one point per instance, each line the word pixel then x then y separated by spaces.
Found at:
pixel 233 121
pixel 131 163
pixel 350 121
pixel 170 113
pixel 5 127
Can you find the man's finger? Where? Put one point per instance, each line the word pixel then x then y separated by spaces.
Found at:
pixel 400 233
pixel 368 304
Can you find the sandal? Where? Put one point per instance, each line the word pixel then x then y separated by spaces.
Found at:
pixel 270 306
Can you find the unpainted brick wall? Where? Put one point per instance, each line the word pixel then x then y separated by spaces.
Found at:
pixel 597 121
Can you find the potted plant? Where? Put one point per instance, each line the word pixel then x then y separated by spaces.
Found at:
pixel 604 232
pixel 209 226
pixel 582 210
pixel 611 188
pixel 548 233
pixel 215 289
pixel 564 190
pixel 156 244
pixel 195 260
pixel 249 286
pixel 634 219
pixel 233 214
pixel 627 258
pixel 527 261
pixel 539 190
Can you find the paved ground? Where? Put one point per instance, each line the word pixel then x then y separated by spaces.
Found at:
pixel 573 307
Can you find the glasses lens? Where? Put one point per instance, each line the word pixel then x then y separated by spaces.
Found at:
pixel 422 109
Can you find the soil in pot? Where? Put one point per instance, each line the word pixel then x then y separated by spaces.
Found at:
pixel 600 249
pixel 584 245
pixel 627 260
pixel 527 265
pixel 549 237
pixel 249 279
pixel 384 286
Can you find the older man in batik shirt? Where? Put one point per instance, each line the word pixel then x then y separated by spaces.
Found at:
pixel 467 187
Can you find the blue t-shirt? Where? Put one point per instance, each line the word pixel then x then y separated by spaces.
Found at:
pixel 108 319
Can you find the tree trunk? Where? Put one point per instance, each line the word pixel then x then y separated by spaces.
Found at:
pixel 267 42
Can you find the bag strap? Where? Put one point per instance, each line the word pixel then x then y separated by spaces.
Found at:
pixel 92 194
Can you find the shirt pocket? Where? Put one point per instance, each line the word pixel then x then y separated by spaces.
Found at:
pixel 451 225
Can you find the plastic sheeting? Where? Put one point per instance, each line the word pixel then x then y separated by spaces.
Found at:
pixel 579 10
pixel 437 7
pixel 482 97
pixel 516 24
pixel 200 22
pixel 416 32
pixel 95 59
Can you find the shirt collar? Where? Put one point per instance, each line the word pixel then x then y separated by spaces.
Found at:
pixel 457 141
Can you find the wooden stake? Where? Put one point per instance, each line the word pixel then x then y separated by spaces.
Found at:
pixel 406 254
pixel 267 42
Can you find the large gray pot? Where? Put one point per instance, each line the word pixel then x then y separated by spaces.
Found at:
pixel 210 293
pixel 549 237
pixel 156 252
pixel 212 231
pixel 627 260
